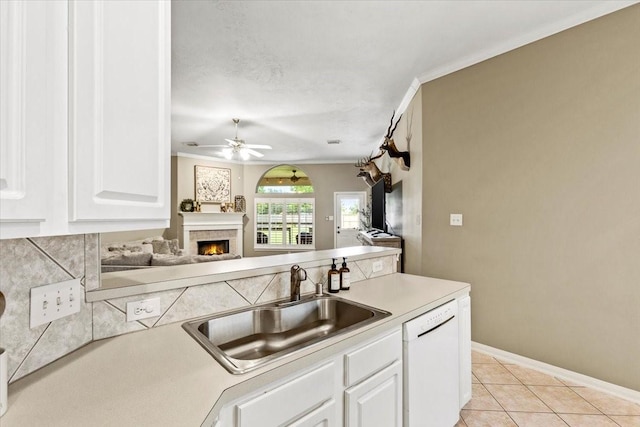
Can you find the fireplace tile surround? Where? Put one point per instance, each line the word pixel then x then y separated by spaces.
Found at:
pixel 199 226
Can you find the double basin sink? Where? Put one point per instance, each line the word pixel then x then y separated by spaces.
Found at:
pixel 247 339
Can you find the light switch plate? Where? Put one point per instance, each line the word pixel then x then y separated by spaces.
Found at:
pixel 143 309
pixel 377 266
pixel 54 301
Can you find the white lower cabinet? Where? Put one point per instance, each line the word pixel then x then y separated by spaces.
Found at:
pixel 361 386
pixel 324 416
pixel 292 402
pixel 377 401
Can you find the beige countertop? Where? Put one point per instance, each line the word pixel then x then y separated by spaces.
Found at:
pixel 162 377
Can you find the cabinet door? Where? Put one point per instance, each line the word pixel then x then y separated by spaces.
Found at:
pixel 464 331
pixel 376 401
pixel 119 110
pixel 289 401
pixel 324 416
pixel 32 105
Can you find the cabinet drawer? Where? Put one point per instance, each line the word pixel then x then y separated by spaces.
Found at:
pixel 370 358
pixel 289 400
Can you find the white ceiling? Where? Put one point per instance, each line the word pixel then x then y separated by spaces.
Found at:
pixel 299 73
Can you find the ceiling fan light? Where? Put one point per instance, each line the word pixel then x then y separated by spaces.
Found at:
pixel 227 153
pixel 244 154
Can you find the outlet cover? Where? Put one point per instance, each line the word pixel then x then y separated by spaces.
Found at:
pixel 455 220
pixel 142 309
pixel 377 266
pixel 54 301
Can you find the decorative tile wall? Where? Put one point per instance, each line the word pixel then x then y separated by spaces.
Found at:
pixel 28 263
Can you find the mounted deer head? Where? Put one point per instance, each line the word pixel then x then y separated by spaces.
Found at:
pixel 371 174
pixel 367 164
pixel 367 178
pixel 402 158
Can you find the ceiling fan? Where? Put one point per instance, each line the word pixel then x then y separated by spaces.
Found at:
pixel 234 146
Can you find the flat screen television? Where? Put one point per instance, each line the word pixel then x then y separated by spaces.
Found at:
pixel 378 206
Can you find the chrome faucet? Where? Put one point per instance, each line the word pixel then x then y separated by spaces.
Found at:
pixel 298 274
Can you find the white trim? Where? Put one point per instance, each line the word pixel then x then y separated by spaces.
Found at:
pixel 598 10
pixel 561 373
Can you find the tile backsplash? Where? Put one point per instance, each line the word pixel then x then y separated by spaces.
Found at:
pixel 28 263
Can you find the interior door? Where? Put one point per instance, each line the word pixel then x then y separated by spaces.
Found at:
pixel 347 207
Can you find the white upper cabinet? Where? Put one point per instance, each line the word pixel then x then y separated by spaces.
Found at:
pixel 84 116
pixel 30 109
pixel 119 110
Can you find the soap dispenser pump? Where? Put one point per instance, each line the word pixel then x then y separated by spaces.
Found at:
pixel 345 276
pixel 334 278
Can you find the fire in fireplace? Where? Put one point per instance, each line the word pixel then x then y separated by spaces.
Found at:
pixel 213 247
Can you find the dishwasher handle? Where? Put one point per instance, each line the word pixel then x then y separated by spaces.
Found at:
pixel 437 326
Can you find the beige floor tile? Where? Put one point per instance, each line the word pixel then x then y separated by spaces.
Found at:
pixel 516 398
pixel 531 377
pixel 461 423
pixel 581 420
pixel 493 374
pixel 608 404
pixel 477 357
pixel 563 399
pixel 474 380
pixel 487 419
pixel 533 419
pixel 481 399
pixel 626 421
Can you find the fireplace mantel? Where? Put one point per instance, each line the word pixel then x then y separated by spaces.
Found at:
pixel 214 222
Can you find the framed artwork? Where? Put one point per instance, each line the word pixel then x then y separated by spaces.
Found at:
pixel 213 185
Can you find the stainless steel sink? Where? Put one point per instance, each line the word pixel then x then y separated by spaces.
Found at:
pixel 247 339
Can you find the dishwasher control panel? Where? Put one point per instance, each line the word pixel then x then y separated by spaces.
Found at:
pixel 430 320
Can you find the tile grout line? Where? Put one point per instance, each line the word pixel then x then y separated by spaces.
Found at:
pixel 528 387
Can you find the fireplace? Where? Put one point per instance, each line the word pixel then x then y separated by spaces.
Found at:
pixel 213 247
pixel 211 227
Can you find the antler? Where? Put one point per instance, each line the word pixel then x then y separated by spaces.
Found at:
pixel 368 159
pixel 389 130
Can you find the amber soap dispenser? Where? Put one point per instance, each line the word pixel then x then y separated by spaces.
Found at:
pixel 345 276
pixel 334 278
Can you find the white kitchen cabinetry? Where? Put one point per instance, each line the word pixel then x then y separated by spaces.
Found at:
pixel 377 401
pixel 32 111
pixel 303 399
pixel 119 110
pixel 84 116
pixel 464 331
pixel 372 390
pixel 291 401
pixel 373 375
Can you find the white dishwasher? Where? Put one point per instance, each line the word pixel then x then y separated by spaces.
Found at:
pixel 431 368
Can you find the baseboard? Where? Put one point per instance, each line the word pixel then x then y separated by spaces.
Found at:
pixel 563 374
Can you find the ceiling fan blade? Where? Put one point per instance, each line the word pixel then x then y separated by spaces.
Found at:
pixel 209 146
pixel 259 146
pixel 253 152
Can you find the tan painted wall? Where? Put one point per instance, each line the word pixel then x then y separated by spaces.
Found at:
pixel 539 148
pixel 183 185
pixel 410 123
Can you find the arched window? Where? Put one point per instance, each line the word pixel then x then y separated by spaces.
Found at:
pixel 284 179
pixel 285 218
